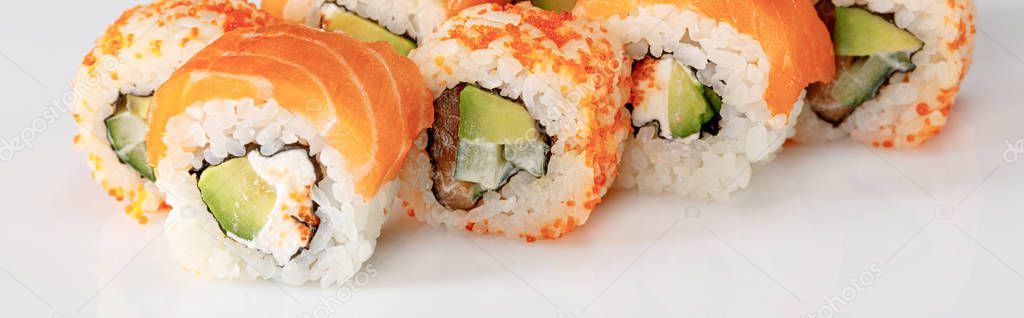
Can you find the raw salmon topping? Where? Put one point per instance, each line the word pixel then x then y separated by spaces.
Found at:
pixel 367 101
pixel 796 42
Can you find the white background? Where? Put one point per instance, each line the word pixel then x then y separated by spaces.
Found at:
pixel 936 231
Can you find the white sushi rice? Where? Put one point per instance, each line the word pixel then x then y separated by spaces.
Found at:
pixel 138 68
pixel 412 18
pixel 209 133
pixel 737 68
pixel 890 117
pixel 526 207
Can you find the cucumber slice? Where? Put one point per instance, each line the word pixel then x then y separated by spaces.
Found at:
pixel 865 77
pixel 555 5
pixel 239 198
pixel 126 132
pixel 713 98
pixel 367 31
pixel 531 157
pixel 858 32
pixel 900 62
pixel 482 163
pixel 688 108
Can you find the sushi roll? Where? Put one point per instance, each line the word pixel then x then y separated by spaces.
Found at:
pixel 278 149
pixel 528 127
pixel 117 78
pixel 400 23
pixel 899 62
pixel 717 87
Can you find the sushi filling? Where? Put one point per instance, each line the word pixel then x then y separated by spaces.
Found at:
pixel 126 132
pixel 336 19
pixel 479 141
pixel 870 50
pixel 668 96
pixel 555 5
pixel 264 202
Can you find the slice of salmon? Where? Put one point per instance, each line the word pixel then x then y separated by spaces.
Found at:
pixel 294 11
pixel 368 102
pixel 796 42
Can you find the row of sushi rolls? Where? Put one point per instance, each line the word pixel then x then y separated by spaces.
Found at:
pixel 274 141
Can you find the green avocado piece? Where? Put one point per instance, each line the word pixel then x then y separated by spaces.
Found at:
pixel 858 32
pixel 688 108
pixel 238 197
pixel 367 31
pixel 126 131
pixel 861 81
pixel 555 5
pixel 485 116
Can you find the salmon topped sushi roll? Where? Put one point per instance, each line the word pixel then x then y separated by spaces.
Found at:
pixel 400 23
pixel 279 148
pixel 529 123
pixel 900 65
pixel 115 83
pixel 717 86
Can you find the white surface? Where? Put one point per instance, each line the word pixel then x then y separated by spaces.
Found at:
pixel 809 222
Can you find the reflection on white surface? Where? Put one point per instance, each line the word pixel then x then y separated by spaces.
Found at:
pixel 940 223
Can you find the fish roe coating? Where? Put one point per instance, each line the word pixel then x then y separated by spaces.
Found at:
pixel 236 14
pixel 135 54
pixel 573 58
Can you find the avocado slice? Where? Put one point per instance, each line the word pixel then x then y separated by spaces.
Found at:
pixel 367 31
pixel 238 197
pixel 688 107
pixel 555 5
pixel 126 132
pixel 858 32
pixel 862 80
pixel 485 116
pixel 497 137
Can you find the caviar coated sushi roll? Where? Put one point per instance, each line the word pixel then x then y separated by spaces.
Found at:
pixel 899 62
pixel 115 83
pixel 279 148
pixel 717 87
pixel 400 23
pixel 529 122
